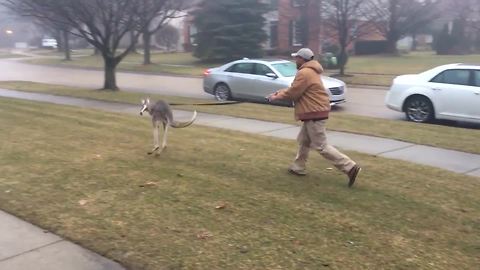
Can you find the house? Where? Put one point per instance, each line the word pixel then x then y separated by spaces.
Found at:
pixel 291 25
pixel 286 26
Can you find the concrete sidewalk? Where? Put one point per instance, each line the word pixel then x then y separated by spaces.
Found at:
pixel 26 247
pixel 455 161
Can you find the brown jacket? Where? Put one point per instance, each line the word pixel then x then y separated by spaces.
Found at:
pixel 308 93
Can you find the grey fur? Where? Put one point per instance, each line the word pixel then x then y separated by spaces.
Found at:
pixel 162 114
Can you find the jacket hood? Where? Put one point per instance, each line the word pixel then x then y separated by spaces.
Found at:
pixel 313 64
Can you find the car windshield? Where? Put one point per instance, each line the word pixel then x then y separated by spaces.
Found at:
pixel 287 69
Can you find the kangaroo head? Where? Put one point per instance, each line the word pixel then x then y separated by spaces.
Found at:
pixel 145 105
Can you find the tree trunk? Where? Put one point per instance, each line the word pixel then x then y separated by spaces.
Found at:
pixel 110 70
pixel 414 42
pixel 342 57
pixel 392 39
pixel 342 60
pixel 147 37
pixel 392 35
pixel 132 39
pixel 59 38
pixel 66 44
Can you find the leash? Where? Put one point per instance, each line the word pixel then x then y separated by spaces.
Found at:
pixel 206 104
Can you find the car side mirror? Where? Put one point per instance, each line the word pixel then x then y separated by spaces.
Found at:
pixel 272 75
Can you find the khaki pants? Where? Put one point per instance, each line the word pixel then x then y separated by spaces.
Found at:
pixel 312 136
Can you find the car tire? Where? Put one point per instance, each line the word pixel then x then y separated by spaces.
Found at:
pixel 419 109
pixel 222 92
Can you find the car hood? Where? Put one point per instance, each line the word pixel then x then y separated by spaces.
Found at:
pixel 329 82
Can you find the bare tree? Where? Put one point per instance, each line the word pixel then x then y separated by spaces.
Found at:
pixel 103 23
pixel 167 37
pixel 341 20
pixel 154 19
pixel 397 18
pixel 60 33
pixel 132 37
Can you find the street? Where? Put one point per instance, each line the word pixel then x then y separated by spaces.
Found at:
pixel 360 101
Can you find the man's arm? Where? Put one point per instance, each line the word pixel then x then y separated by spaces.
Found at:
pixel 295 91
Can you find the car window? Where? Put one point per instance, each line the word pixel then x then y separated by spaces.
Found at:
pixel 454 76
pixel 476 78
pixel 246 68
pixel 261 69
pixel 287 69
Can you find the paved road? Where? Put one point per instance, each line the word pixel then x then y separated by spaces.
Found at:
pixel 361 101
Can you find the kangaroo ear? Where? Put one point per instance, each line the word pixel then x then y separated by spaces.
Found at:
pixel 148 100
pixel 143 101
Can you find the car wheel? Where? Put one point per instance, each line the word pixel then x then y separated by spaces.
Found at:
pixel 419 109
pixel 222 92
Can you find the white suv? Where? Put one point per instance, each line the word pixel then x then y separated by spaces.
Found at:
pixel 450 92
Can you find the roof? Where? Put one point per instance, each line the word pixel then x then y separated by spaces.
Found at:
pixel 268 60
pixel 469 65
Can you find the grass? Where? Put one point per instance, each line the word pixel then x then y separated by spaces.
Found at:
pixel 168 63
pixel 55 52
pixel 84 175
pixel 455 138
pixel 366 79
pixel 382 69
pixel 414 62
pixel 4 55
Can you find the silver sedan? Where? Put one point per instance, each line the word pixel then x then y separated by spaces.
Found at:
pixel 253 80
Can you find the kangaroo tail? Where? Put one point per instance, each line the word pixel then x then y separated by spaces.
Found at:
pixel 176 124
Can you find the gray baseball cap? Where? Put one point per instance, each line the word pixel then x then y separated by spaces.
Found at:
pixel 304 53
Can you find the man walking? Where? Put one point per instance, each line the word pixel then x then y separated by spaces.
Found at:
pixel 312 107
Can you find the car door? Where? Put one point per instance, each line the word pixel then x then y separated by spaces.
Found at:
pixel 261 85
pixel 452 93
pixel 474 110
pixel 239 79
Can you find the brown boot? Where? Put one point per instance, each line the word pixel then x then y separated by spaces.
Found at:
pixel 352 175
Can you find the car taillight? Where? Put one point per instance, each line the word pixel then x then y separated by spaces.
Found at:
pixel 206 72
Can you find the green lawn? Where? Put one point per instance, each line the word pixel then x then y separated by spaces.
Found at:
pixel 382 69
pixel 85 175
pixel 55 52
pixel 455 138
pixel 178 63
pixel 4 55
pixel 413 62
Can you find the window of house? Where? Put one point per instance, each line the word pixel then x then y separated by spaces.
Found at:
pixel 296 31
pixel 193 32
pixel 273 34
pixel 298 3
pixel 274 4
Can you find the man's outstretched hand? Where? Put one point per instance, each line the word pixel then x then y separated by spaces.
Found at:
pixel 272 97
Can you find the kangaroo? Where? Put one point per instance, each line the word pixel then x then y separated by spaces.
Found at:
pixel 162 114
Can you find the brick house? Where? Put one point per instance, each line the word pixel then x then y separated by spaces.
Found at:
pixel 285 26
pixel 290 25
pixel 293 24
